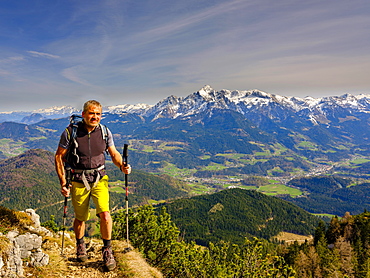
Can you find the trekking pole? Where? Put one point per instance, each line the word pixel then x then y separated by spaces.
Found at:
pixel 68 179
pixel 125 155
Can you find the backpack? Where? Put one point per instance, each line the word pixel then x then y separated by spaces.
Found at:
pixel 74 121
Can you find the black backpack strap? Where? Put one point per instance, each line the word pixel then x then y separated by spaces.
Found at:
pixel 104 133
pixel 73 144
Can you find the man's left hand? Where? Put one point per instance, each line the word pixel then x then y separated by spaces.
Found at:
pixel 126 168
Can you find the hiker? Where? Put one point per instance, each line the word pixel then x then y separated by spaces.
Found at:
pixel 84 153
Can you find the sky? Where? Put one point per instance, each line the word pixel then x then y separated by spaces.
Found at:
pixel 64 52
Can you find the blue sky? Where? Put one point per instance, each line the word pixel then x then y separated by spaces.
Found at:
pixel 65 52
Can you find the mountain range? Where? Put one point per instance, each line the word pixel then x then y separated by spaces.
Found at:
pixel 315 110
pixel 337 126
pixel 214 139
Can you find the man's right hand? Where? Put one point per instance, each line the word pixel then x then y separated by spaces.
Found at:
pixel 66 190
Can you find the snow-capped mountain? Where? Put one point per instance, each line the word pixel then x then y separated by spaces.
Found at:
pixel 47 113
pixel 316 110
pixel 54 111
pixel 127 108
pixel 250 103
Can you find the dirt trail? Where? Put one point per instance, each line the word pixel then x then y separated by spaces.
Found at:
pixel 129 264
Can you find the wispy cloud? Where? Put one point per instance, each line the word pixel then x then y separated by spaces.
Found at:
pixel 11 60
pixel 4 73
pixel 73 74
pixel 42 54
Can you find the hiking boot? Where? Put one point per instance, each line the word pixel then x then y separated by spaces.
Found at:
pixel 81 252
pixel 108 258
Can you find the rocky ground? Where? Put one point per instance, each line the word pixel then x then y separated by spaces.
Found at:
pixel 129 264
pixel 29 250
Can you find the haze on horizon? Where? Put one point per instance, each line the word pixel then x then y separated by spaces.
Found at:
pixel 65 52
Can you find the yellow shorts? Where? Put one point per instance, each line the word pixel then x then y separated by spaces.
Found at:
pixel 81 198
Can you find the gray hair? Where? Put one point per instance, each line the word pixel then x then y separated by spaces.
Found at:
pixel 91 103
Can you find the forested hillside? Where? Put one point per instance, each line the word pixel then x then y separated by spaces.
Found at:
pixel 332 194
pixel 232 215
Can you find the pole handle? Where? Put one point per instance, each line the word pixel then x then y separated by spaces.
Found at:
pixel 125 152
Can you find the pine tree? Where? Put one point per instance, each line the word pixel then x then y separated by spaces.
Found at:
pixel 334 230
pixel 308 265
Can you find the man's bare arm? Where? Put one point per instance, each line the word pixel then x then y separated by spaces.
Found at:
pixel 59 168
pixel 117 160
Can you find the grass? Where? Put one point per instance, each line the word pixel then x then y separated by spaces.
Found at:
pixel 235 156
pixel 117 186
pixel 10 219
pixel 325 215
pixel 148 149
pixel 133 264
pixel 291 238
pixel 171 170
pixel 4 246
pixel 171 146
pixel 360 161
pixel 274 188
pixel 214 167
pixel 205 157
pixel 266 153
pixel 155 202
pixel 37 138
pixel 278 189
pixel 307 145
pixel 151 146
pixel 199 188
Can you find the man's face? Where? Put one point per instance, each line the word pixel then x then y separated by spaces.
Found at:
pixel 92 116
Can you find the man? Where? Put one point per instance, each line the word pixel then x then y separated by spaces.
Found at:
pixel 85 155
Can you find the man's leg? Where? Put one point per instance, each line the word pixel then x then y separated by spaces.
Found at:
pixel 100 196
pixel 80 201
pixel 79 229
pixel 106 233
pixel 105 225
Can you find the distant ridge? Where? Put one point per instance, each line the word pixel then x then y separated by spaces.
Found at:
pixel 316 110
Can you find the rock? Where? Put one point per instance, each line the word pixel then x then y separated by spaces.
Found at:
pixel 13 265
pixel 25 246
pixel 30 247
pixel 38 258
pixel 66 235
pixel 27 243
pixel 12 234
pixel 36 227
pixel 34 217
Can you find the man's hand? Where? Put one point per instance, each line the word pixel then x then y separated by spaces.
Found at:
pixel 66 190
pixel 126 168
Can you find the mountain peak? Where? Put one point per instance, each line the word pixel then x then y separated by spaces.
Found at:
pixel 205 90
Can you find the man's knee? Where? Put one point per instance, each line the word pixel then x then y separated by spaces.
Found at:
pixel 105 216
pixel 78 222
